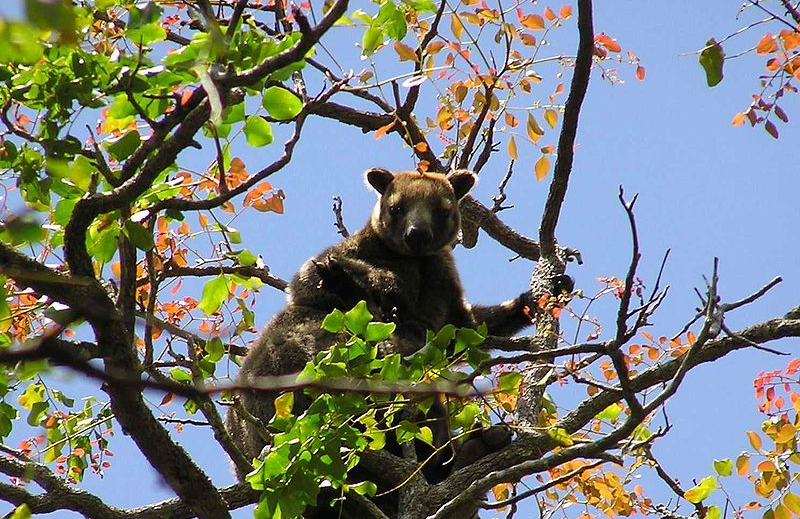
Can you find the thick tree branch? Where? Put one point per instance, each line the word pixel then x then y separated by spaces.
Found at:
pixel 569 129
pixel 250 271
pixel 525 455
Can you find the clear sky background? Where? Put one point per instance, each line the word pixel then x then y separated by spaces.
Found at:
pixel 705 189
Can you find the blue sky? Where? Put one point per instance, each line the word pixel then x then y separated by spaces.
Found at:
pixel 705 189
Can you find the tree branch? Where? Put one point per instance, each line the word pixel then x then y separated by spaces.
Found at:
pixel 569 128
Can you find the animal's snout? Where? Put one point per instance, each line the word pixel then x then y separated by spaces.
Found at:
pixel 417 238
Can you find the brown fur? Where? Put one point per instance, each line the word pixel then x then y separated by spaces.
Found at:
pixel 401 263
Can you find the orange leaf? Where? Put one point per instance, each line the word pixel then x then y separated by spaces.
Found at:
pixel 527 39
pixel 690 337
pixel 566 11
pixel 237 165
pixel 532 21
pixel 405 52
pixel 383 130
pixel 541 168
pixel 203 220
pixel 607 42
pixel 434 47
pixel 791 39
pixel 512 149
pixel 185 96
pixel 738 119
pixel 167 398
pixel 766 466
pixel 511 120
pixel 766 45
pixel 421 147
pixel 549 14
pixel 640 73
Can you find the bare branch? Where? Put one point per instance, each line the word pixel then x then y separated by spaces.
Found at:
pixel 569 128
pixel 337 212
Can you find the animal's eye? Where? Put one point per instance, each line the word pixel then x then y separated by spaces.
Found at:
pixel 394 210
pixel 443 212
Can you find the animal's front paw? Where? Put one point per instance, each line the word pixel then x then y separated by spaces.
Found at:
pixel 563 283
pixel 482 442
pixel 332 275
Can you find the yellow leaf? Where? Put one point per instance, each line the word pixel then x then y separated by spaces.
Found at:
pixel 501 491
pixel 786 433
pixel 456 26
pixel 512 148
pixel 203 220
pixel 541 168
pixel 781 512
pixel 792 502
pixel 738 119
pixel 284 404
pixel 405 52
pixel 743 464
pixel 534 130
pixel 551 117
pixel 755 441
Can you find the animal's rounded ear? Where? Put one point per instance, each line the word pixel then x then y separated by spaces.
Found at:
pixel 462 181
pixel 379 179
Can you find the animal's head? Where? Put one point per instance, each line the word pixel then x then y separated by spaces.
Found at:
pixel 417 213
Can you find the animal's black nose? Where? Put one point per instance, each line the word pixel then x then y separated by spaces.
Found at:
pixel 417 238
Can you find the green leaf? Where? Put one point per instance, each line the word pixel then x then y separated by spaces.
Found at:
pixel 246 258
pixel 123 147
pixel 610 413
pixel 215 349
pixel 334 321
pixel 421 5
pixel 365 488
pixel 379 331
pixel 443 339
pixel 560 436
pixel 509 382
pixel 57 15
pixel 713 512
pixel 281 104
pixel 373 37
pixel 139 235
pixel 180 374
pixel 723 467
pixel 23 229
pixel 392 19
pixel 215 292
pixel 702 490
pixel 356 319
pixel 19 44
pixel 425 435
pixel 712 58
pixel 258 131
pixel 22 512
